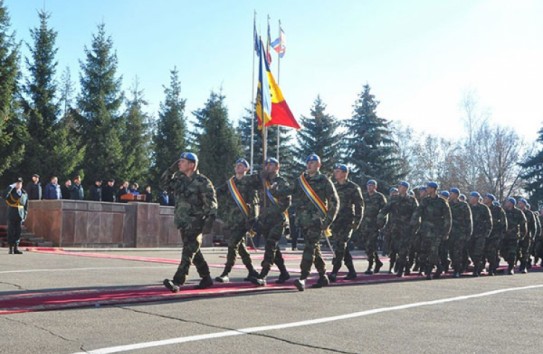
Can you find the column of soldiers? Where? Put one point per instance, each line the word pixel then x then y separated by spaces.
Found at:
pixel 427 231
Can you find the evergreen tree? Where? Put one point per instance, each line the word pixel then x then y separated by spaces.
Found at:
pixel 286 148
pixel 534 174
pixel 215 140
pixel 136 138
pixel 12 129
pixel 99 121
pixel 369 145
pixel 320 136
pixel 169 138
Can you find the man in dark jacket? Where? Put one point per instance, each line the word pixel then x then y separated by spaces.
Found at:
pixel 34 188
pixel 17 201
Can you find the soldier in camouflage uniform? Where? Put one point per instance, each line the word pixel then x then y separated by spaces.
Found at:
pixel 400 209
pixel 482 227
pixel 239 219
pixel 536 244
pixel 435 217
pixel 516 230
pixel 195 212
pixel 499 225
pixel 462 227
pixel 444 246
pixel 420 194
pixel 348 219
pixel 275 199
pixel 314 220
pixel 538 247
pixel 374 201
pixel 524 245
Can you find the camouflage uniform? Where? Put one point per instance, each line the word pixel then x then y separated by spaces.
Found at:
pixel 482 226
pixel 348 219
pixel 462 227
pixel 400 209
pixel 525 242
pixel 538 244
pixel 195 201
pixel 492 245
pixel 272 221
pixel 435 215
pixel 516 229
pixel 237 223
pixel 369 229
pixel 312 222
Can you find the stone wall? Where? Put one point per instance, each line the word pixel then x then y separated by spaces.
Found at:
pixel 69 223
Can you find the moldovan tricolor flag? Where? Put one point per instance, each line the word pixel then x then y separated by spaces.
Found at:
pixel 270 103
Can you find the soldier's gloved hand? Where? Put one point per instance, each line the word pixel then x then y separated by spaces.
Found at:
pixel 208 225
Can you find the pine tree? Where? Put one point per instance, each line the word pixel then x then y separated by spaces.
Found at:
pixel 136 138
pixel 12 129
pixel 169 138
pixel 534 174
pixel 289 166
pixel 215 140
pixel 320 136
pixel 99 121
pixel 369 144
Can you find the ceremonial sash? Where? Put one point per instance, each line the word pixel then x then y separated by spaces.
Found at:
pixel 238 198
pixel 274 200
pixel 313 197
pixel 14 203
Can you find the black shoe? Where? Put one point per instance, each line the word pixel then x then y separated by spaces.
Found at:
pixel 300 284
pixel 253 274
pixel 368 272
pixel 223 279
pixel 351 276
pixel 378 266
pixel 323 281
pixel 399 274
pixel 10 250
pixel 332 277
pixel 170 285
pixel 282 278
pixel 257 281
pixel 16 250
pixel 205 283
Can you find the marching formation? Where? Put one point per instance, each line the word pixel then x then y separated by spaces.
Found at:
pixel 425 231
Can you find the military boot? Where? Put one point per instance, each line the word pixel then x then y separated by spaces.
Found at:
pixel 252 274
pixel 510 270
pixel 16 250
pixel 323 281
pixel 428 272
pixel 523 268
pixel 300 284
pixel 170 285
pixel 369 271
pixel 205 283
pixel 10 249
pixel 283 277
pixel 378 265
pixel 223 278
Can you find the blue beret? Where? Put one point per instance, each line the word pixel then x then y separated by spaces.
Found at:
pixel 446 194
pixel 313 157
pixel 512 200
pixel 522 200
pixel 491 196
pixel 496 203
pixel 243 161
pixel 463 196
pixel 272 160
pixel 404 184
pixel 432 185
pixel 455 190
pixel 342 167
pixel 189 156
pixel 475 194
pixel 371 181
pixel 422 188
pixel 393 189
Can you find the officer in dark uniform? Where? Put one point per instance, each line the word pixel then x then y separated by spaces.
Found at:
pixel 17 201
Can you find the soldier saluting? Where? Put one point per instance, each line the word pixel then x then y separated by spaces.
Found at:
pixel 17 201
pixel 195 212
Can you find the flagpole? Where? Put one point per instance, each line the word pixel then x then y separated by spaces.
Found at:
pixel 278 83
pixel 253 96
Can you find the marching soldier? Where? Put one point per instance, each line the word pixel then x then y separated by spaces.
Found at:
pixel 499 225
pixel 240 214
pixel 482 226
pixel 195 212
pixel 17 200
pixel 525 242
pixel 374 201
pixel 462 227
pixel 516 230
pixel 317 203
pixel 435 217
pixel 348 219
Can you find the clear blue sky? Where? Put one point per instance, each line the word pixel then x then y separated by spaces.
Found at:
pixel 419 56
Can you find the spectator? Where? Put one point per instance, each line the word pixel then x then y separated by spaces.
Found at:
pixel 52 189
pixel 95 192
pixel 148 194
pixel 122 191
pixel 108 191
pixel 76 190
pixel 164 198
pixel 34 188
pixel 65 190
pixel 134 189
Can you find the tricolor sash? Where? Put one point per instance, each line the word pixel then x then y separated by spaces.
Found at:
pixel 274 200
pixel 313 197
pixel 238 198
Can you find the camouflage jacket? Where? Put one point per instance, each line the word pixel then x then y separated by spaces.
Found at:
pixel 530 223
pixel 399 209
pixel 482 220
pixel 326 191
pixel 435 213
pixel 231 212
pixel 499 221
pixel 351 204
pixel 195 197
pixel 516 223
pixel 462 221
pixel 280 190
pixel 374 203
